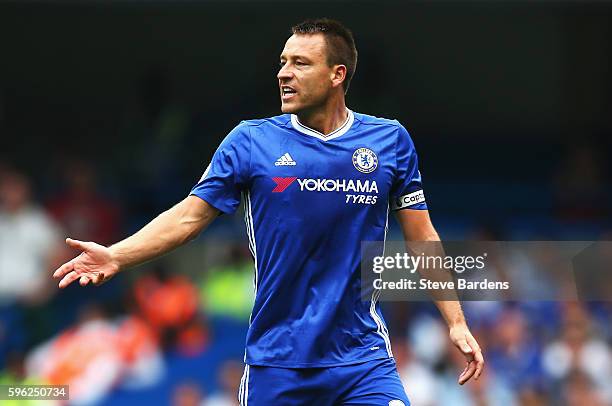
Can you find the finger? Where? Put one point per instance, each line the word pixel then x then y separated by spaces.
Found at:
pixel 473 343
pixel 479 364
pixel 76 244
pixel 478 357
pixel 68 279
pixel 467 374
pixel 64 269
pixel 98 278
pixel 84 280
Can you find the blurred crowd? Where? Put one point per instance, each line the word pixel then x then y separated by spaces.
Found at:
pixel 129 335
pixel 537 353
pixel 115 335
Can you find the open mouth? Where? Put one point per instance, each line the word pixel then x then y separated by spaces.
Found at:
pixel 287 92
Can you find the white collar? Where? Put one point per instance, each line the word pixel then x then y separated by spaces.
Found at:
pixel 334 134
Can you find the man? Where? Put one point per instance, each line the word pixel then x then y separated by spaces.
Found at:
pixel 30 244
pixel 316 182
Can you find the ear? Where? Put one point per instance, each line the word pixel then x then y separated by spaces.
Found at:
pixel 338 75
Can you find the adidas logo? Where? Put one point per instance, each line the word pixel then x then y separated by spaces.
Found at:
pixel 285 160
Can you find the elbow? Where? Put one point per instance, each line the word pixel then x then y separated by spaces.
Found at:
pixel 192 215
pixel 193 226
pixel 422 235
pixel 192 233
pixel 191 230
pixel 432 236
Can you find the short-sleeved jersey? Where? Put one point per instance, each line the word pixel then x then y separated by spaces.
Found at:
pixel 310 201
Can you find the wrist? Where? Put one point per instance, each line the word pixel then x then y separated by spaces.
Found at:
pixel 459 323
pixel 115 261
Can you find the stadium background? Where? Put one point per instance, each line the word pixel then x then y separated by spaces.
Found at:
pixel 110 111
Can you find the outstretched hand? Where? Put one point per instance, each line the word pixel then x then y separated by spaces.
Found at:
pixel 466 343
pixel 95 264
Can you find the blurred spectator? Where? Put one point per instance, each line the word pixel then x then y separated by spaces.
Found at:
pixel 29 243
pixel 419 379
pixel 187 394
pixel 513 354
pixel 428 338
pixel 227 290
pixel 169 305
pixel 230 375
pixel 531 397
pixel 83 212
pixel 580 390
pixel 86 357
pixel 579 350
pixel 143 365
pixel 96 355
pixel 488 390
pixel 29 250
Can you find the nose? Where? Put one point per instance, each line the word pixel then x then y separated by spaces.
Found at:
pixel 284 73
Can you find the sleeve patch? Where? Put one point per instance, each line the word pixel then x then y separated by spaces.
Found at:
pixel 408 200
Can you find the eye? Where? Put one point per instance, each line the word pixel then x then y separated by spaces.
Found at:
pixel 300 63
pixel 281 64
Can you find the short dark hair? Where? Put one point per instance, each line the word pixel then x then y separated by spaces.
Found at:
pixel 341 48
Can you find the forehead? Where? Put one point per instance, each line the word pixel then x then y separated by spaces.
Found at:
pixel 309 45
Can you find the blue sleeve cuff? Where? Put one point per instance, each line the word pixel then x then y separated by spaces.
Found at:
pixel 218 204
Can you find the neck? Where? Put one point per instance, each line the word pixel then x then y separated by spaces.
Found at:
pixel 326 118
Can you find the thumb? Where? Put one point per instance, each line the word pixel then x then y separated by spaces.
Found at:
pixel 76 244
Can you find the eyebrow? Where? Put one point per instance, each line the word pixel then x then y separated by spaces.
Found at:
pixel 297 57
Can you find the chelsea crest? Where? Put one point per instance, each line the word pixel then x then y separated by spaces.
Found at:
pixel 365 160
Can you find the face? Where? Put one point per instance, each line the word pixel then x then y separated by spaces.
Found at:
pixel 305 79
pixel 14 192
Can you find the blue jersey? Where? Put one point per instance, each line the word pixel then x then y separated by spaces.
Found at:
pixel 310 200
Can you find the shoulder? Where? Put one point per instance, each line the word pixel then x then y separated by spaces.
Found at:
pixel 38 215
pixel 368 120
pixel 38 222
pixel 280 121
pixel 390 126
pixel 246 130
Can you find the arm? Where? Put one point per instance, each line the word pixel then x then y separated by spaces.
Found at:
pixel 416 226
pixel 169 230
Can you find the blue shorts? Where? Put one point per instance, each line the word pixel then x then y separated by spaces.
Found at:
pixel 370 383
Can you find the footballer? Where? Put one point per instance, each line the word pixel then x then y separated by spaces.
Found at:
pixel 316 181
